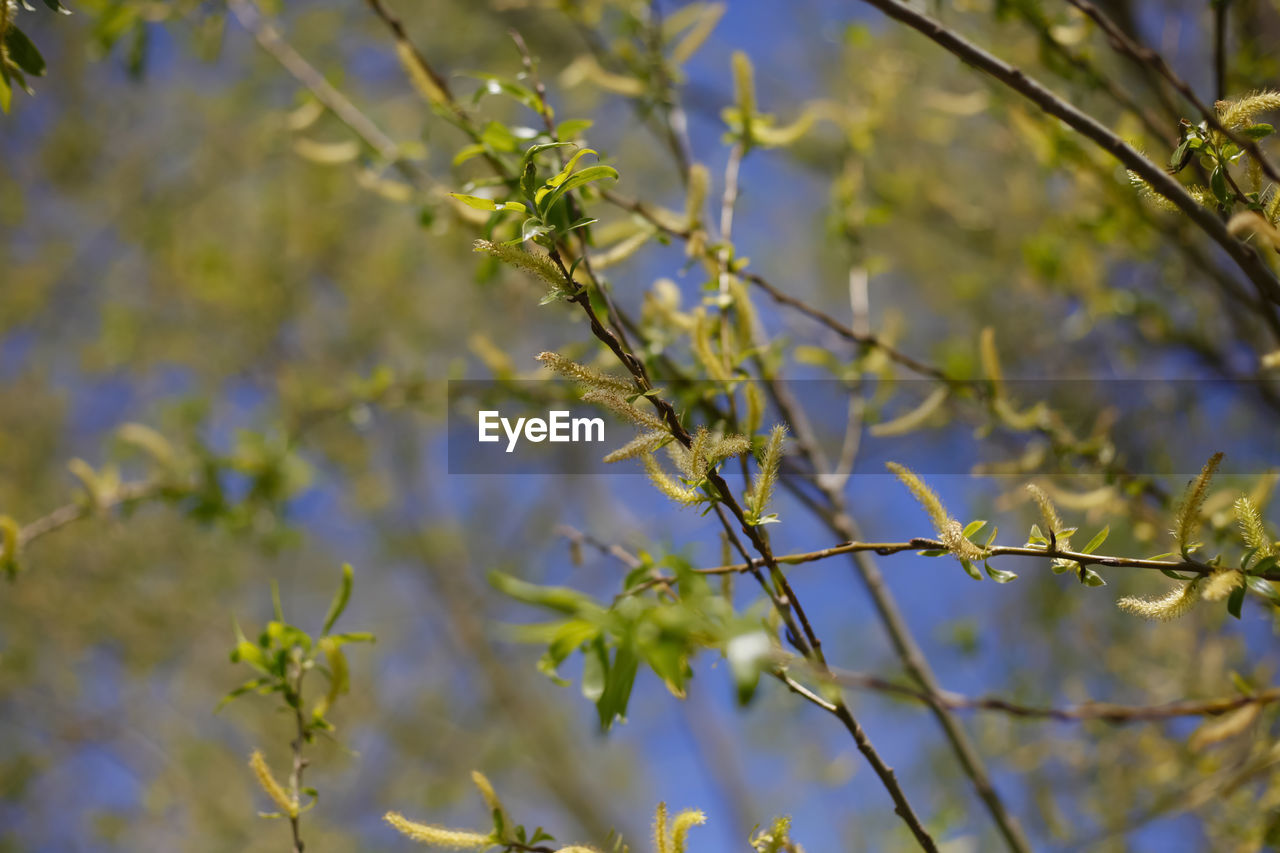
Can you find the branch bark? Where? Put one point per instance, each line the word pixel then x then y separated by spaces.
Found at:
pixel 1245 257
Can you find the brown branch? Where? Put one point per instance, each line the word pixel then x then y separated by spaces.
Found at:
pixel 1104 711
pixel 1125 45
pixel 138 491
pixel 269 38
pixel 72 512
pixel 578 538
pixel 1220 48
pixel 1160 181
pixel 302 737
pixel 885 549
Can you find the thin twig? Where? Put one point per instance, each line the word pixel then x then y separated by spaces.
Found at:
pixel 1127 46
pixel 923 543
pixel 1104 711
pixel 300 739
pixel 1245 257
pixel 578 538
pixel 269 38
pixel 1219 48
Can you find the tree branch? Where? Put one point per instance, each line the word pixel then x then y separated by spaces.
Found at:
pixel 885 549
pixel 1104 711
pixel 1163 183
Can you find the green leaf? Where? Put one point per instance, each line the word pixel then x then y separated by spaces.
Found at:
pixel 495 85
pixel 1089 577
pixel 340 599
pixel 973 527
pixel 581 223
pixel 1218 183
pixel 482 203
pixel 534 150
pixel 532 228
pixel 563 175
pixel 1266 589
pixel 248 686
pixel 559 598
pixel 573 128
pixel 595 670
pixel 1096 541
pixel 497 136
pixel 970 570
pixel 6 90
pixel 1264 565
pixel 23 53
pixel 578 179
pixel 467 152
pixel 617 692
pixel 1258 131
pixel 999 575
pixel 1235 601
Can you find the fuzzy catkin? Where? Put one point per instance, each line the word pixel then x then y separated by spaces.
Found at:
pixel 1177 602
pixel 438 836
pixel 1188 516
pixel 273 789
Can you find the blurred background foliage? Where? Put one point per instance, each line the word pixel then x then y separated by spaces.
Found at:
pixel 187 242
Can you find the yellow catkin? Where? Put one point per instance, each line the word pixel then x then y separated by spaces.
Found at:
pixel 914 419
pixel 755 407
pixel 1177 602
pixel 694 37
pixel 1050 518
pixel 1048 512
pixel 680 827
pixel 949 530
pixel 776 839
pixel 1188 517
pixel 660 829
pixel 767 475
pixel 1221 584
pixel 990 358
pixel 744 84
pixel 273 789
pixel 588 376
pixel 730 445
pixel 1272 207
pixel 696 195
pixel 1148 193
pixel 744 311
pixel 148 440
pixel 10 541
pixel 714 363
pixel 617 403
pixel 1251 527
pixel 486 790
pixel 667 484
pixel 533 263
pixel 1253 228
pixel 1240 111
pixel 1227 726
pixel 641 445
pixel 418 75
pixel 438 836
pixel 695 467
